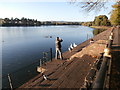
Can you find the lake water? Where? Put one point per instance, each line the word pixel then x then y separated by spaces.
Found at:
pixel 22 47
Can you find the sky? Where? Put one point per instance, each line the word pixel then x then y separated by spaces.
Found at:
pixel 49 11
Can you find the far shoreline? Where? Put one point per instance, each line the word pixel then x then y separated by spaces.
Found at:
pixel 43 25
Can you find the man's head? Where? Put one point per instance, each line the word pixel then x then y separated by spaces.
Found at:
pixel 57 38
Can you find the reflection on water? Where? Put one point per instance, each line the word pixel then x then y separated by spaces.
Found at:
pixel 97 31
pixel 24 46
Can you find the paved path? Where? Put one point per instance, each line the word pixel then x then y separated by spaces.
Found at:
pixel 115 71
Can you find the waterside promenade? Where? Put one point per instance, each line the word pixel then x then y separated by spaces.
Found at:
pixel 80 67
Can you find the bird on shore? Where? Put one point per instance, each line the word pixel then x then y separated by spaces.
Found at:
pixel 74 45
pixel 71 46
pixel 70 49
pixel 45 77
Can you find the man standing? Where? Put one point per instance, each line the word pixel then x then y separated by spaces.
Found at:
pixel 58 48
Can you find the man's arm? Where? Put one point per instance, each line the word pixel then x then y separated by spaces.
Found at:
pixel 60 40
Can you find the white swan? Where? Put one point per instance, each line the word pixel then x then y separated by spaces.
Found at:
pixel 71 46
pixel 74 45
pixel 70 49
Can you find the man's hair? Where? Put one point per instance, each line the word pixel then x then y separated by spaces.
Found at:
pixel 57 38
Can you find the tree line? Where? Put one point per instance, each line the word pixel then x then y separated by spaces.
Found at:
pixel 32 22
pixel 102 20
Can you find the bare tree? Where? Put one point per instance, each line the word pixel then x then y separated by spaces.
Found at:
pixel 89 5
